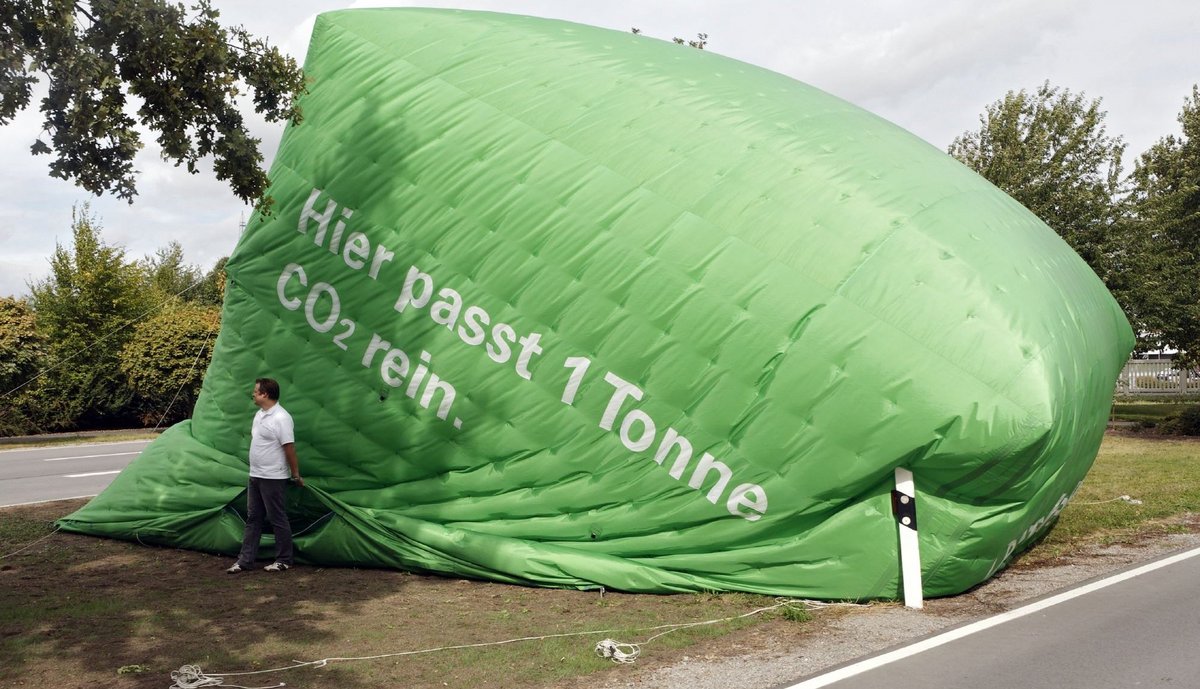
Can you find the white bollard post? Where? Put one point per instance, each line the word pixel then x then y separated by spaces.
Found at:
pixel 904 507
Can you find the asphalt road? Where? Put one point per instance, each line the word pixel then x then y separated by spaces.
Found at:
pixel 64 471
pixel 1138 632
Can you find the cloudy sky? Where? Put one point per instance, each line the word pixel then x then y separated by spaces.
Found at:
pixel 930 66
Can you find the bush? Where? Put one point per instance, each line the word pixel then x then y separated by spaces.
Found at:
pixel 165 360
pixel 22 357
pixel 1186 422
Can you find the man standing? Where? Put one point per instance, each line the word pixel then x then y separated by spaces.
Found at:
pixel 272 464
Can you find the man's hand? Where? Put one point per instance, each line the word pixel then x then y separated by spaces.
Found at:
pixel 289 451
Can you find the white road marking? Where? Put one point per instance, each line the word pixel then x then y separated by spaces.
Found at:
pixel 111 454
pixel 27 448
pixel 94 473
pixel 967 630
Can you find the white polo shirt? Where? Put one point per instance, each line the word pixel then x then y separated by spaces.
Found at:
pixel 272 429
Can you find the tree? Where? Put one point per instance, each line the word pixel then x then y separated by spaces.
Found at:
pixel 21 345
pixel 86 307
pixel 1050 151
pixel 166 358
pixel 211 290
pixel 1166 200
pixel 170 276
pixel 121 338
pixel 185 69
pixel 22 356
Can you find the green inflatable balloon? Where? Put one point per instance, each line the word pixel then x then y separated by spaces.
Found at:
pixel 563 306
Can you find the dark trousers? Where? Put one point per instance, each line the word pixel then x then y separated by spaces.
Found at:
pixel 265 495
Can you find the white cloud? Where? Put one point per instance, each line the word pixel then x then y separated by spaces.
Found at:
pixel 928 66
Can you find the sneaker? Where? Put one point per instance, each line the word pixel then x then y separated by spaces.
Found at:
pixel 235 569
pixel 276 567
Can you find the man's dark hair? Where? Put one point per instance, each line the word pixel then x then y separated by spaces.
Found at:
pixel 268 387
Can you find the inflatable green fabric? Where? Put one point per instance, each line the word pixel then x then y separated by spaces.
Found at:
pixel 564 306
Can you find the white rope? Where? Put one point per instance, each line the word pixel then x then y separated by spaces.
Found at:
pixel 629 652
pixel 1123 498
pixel 56 529
pixel 194 678
pixel 186 378
pixel 317 522
pixel 834 604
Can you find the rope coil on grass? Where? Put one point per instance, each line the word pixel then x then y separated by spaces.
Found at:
pixel 619 652
pixel 191 677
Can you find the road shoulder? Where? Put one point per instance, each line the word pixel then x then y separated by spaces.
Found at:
pixel 778 655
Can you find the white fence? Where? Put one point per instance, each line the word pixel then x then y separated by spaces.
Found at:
pixel 1157 377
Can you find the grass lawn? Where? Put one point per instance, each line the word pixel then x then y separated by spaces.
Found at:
pixel 76 439
pixel 1162 472
pixel 77 611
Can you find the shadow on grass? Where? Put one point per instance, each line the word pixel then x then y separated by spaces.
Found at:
pixel 105 605
pixel 74 610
